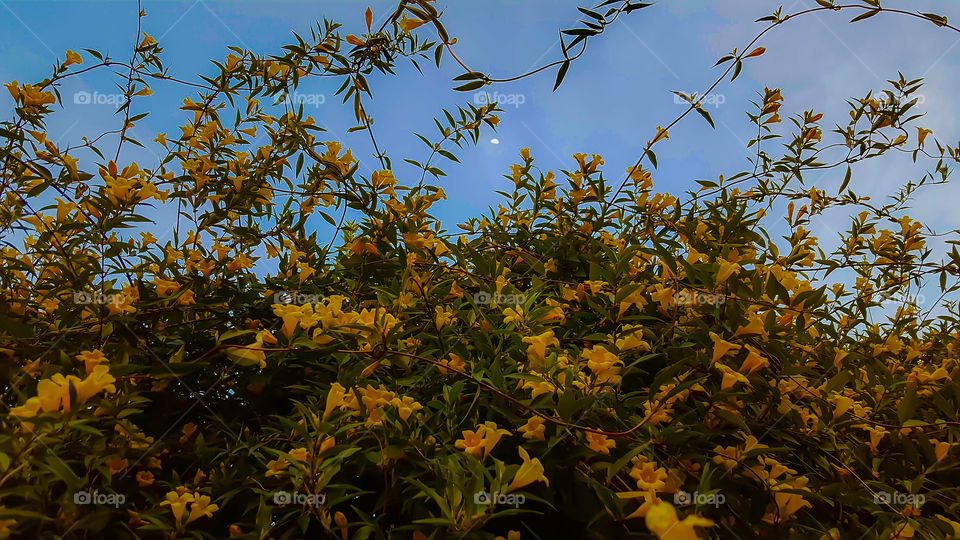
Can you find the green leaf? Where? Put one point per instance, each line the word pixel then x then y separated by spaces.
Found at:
pixel 706 115
pixel 866 15
pixel 846 180
pixel 561 73
pixel 473 85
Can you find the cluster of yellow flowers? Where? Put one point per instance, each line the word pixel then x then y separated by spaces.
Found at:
pixel 53 394
pixel 30 96
pixel 372 402
pixel 181 499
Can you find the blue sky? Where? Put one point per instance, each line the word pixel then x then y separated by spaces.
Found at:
pixel 610 103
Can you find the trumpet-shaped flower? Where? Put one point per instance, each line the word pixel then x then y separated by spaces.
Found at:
pixel 530 471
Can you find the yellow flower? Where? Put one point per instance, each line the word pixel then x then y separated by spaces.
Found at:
pixel 442 317
pixel 291 316
pixel 753 362
pixel 98 380
pixel 731 377
pixel 511 315
pixel 537 350
pixel 408 24
pixel 72 58
pixel 635 298
pixel 31 96
pixel 177 501
pixel 29 409
pixel 454 363
pixel 604 364
pixel 249 355
pixel 147 41
pixel 534 428
pixel 115 464
pixel 164 286
pixel 530 471
pixel 299 454
pixel 335 398
pixel 327 444
pixel 91 359
pixel 55 392
pixel 201 507
pixel 599 442
pixel 941 449
pixel 661 135
pixel 632 338
pixel 721 347
pixel 753 328
pixel 726 270
pixel 649 477
pixel 276 467
pixel 729 457
pixel 662 520
pixel 14 90
pixel 841 404
pixel 471 443
pixel 481 442
pixel 144 478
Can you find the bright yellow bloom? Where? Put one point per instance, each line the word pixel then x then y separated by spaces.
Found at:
pixel 29 409
pixel 442 317
pixel 201 507
pixel 599 442
pixel 537 350
pixel 604 364
pixel 275 467
pixel 72 58
pixel 726 270
pixel 177 501
pixel 721 347
pixel 534 428
pixel 530 471
pixel 511 315
pixel 116 464
pixel 481 442
pixel 91 359
pixel 662 520
pixel 335 398
pixel 144 478
pixel 165 287
pixel 754 328
pixel 661 135
pixel 408 24
pixel 649 477
pixel 753 362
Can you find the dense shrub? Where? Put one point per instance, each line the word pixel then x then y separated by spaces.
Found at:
pixel 591 359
